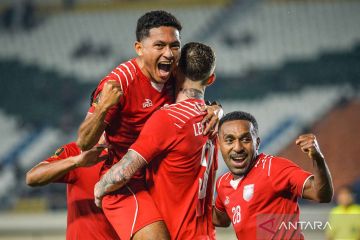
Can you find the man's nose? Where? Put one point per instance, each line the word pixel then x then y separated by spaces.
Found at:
pixel 238 147
pixel 168 52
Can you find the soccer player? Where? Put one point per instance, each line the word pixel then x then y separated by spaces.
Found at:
pixel 124 100
pixel 345 218
pixel 80 171
pixel 261 191
pixel 182 161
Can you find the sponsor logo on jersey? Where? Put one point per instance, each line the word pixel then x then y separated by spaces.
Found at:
pixel 147 103
pixel 248 192
pixel 227 200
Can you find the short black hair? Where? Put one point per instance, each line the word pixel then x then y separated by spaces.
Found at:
pixel 155 19
pixel 197 61
pixel 239 115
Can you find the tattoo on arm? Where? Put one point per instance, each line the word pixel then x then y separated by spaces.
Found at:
pixel 121 172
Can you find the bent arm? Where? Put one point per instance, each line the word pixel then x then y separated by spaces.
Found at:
pixel 93 126
pixel 319 187
pixel 220 219
pixel 118 175
pixel 47 172
pixel 91 129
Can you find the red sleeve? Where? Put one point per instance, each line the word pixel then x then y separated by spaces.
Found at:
pixel 287 176
pixel 157 136
pixel 62 153
pixel 218 202
pixel 114 75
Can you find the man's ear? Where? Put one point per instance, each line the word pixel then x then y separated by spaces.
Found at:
pixel 138 48
pixel 257 144
pixel 211 79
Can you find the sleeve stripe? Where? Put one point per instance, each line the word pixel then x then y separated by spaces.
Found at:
pixel 132 65
pixel 177 118
pixel 127 68
pixel 119 80
pixel 269 167
pixel 181 104
pixel 139 155
pixel 221 179
pixel 184 111
pixel 127 82
pixel 179 113
pixel 177 125
pixel 302 191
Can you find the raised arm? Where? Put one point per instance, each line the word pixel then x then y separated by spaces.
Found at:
pixel 118 175
pixel 47 172
pixel 93 126
pixel 318 188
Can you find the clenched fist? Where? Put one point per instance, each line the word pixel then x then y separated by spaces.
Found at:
pixel 309 145
pixel 110 94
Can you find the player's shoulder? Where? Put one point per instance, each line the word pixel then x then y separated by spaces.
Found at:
pixel 125 73
pixel 182 112
pixel 223 180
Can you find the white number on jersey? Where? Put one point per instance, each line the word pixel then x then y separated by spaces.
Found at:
pixel 236 214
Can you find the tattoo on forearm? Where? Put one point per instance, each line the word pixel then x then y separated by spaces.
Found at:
pixel 121 172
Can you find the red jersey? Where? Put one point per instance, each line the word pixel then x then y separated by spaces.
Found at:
pixel 263 204
pixel 141 98
pixel 182 165
pixel 84 219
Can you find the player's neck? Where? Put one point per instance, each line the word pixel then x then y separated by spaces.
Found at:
pixel 189 93
pixel 190 90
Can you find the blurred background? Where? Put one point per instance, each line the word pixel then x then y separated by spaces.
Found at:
pixel 294 64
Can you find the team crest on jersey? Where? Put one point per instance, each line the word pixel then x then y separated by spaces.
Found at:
pixel 147 103
pixel 248 192
pixel 227 200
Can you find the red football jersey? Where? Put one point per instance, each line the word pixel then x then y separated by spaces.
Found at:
pixel 141 98
pixel 182 164
pixel 263 204
pixel 84 219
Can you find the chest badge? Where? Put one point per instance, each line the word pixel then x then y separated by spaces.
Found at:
pixel 248 192
pixel 147 103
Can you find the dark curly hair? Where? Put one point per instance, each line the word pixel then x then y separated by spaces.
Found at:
pixel 239 115
pixel 155 19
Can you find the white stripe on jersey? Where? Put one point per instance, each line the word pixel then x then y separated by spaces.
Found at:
pixel 221 179
pixel 269 167
pixel 177 118
pixel 177 125
pixel 127 82
pixel 119 79
pixel 184 111
pixel 127 68
pixel 179 113
pixel 181 104
pixel 132 65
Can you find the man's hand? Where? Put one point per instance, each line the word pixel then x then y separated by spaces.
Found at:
pixel 211 120
pixel 90 157
pixel 98 194
pixel 110 94
pixel 309 145
pixel 319 187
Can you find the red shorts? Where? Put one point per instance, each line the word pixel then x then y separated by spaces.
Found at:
pixel 130 208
